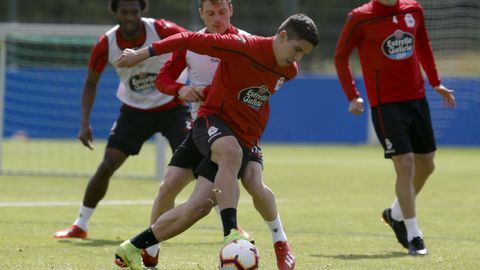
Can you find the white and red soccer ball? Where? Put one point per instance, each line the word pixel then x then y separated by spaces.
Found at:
pixel 239 255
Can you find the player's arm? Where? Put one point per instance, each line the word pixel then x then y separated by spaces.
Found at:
pixel 427 60
pixel 96 65
pixel 166 81
pixel 348 40
pixel 215 45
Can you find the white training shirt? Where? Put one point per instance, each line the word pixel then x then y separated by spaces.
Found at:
pixel 137 84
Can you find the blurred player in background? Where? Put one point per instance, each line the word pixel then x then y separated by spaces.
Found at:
pixel 231 120
pixel 144 112
pixel 216 15
pixel 392 43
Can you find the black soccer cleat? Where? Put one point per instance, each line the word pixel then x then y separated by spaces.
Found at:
pixel 398 227
pixel 416 247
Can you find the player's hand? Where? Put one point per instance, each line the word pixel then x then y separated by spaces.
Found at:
pixel 356 106
pixel 191 93
pixel 85 135
pixel 130 58
pixel 447 94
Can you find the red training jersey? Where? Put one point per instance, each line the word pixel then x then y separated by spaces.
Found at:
pixel 166 81
pixel 99 53
pixel 247 76
pixel 391 42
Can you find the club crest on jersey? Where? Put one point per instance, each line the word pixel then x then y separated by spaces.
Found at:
pixel 254 96
pixel 279 83
pixel 143 83
pixel 409 20
pixel 398 46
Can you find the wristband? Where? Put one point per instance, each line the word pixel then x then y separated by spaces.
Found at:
pixel 151 51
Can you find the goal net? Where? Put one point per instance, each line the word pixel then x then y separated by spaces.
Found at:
pixel 454 30
pixel 42 74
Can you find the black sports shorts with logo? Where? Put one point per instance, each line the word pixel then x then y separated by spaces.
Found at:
pixel 133 128
pixel 404 127
pixel 207 130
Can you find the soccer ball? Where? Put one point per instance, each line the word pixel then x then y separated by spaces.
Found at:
pixel 239 255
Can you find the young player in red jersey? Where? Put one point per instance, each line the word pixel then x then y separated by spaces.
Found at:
pixel 144 112
pixel 231 120
pixel 392 42
pixel 200 69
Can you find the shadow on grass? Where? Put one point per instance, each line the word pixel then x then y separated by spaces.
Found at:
pixel 352 257
pixel 89 242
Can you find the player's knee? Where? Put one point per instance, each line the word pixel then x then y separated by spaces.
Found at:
pixel 168 189
pixel 253 186
pixel 429 168
pixel 107 167
pixel 404 162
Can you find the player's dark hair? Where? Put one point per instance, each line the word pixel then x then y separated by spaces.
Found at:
pixel 200 2
pixel 300 26
pixel 113 5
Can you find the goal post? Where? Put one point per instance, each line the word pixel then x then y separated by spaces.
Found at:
pixel 42 71
pixel 3 61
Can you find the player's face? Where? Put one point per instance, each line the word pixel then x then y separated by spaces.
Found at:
pixel 216 16
pixel 128 15
pixel 290 51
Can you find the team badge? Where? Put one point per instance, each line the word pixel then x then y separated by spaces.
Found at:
pixel 399 45
pixel 254 96
pixel 409 20
pixel 279 83
pixel 143 83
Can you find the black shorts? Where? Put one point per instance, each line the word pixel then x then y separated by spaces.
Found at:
pixel 186 155
pixel 207 130
pixel 404 127
pixel 133 128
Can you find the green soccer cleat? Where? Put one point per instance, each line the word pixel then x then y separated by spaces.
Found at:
pixel 236 235
pixel 127 255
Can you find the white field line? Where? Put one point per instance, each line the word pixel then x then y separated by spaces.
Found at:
pixel 76 203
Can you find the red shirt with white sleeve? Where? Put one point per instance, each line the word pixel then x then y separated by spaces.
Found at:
pixel 392 43
pixel 247 76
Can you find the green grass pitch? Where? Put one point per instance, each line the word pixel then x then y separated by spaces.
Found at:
pixel 330 199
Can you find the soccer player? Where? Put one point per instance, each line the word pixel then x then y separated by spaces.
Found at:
pixel 216 15
pixel 144 112
pixel 231 120
pixel 392 43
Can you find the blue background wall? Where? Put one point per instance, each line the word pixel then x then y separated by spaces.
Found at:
pixel 45 103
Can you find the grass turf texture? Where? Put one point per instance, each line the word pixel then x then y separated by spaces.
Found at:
pixel 330 199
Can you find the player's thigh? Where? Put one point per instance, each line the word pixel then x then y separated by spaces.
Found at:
pixel 210 129
pixel 208 168
pixel 130 131
pixel 392 123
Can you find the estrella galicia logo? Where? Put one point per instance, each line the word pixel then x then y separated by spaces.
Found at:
pixel 398 46
pixel 254 96
pixel 143 83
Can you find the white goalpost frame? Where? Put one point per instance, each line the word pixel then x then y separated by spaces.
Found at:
pixel 72 30
pixel 3 65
